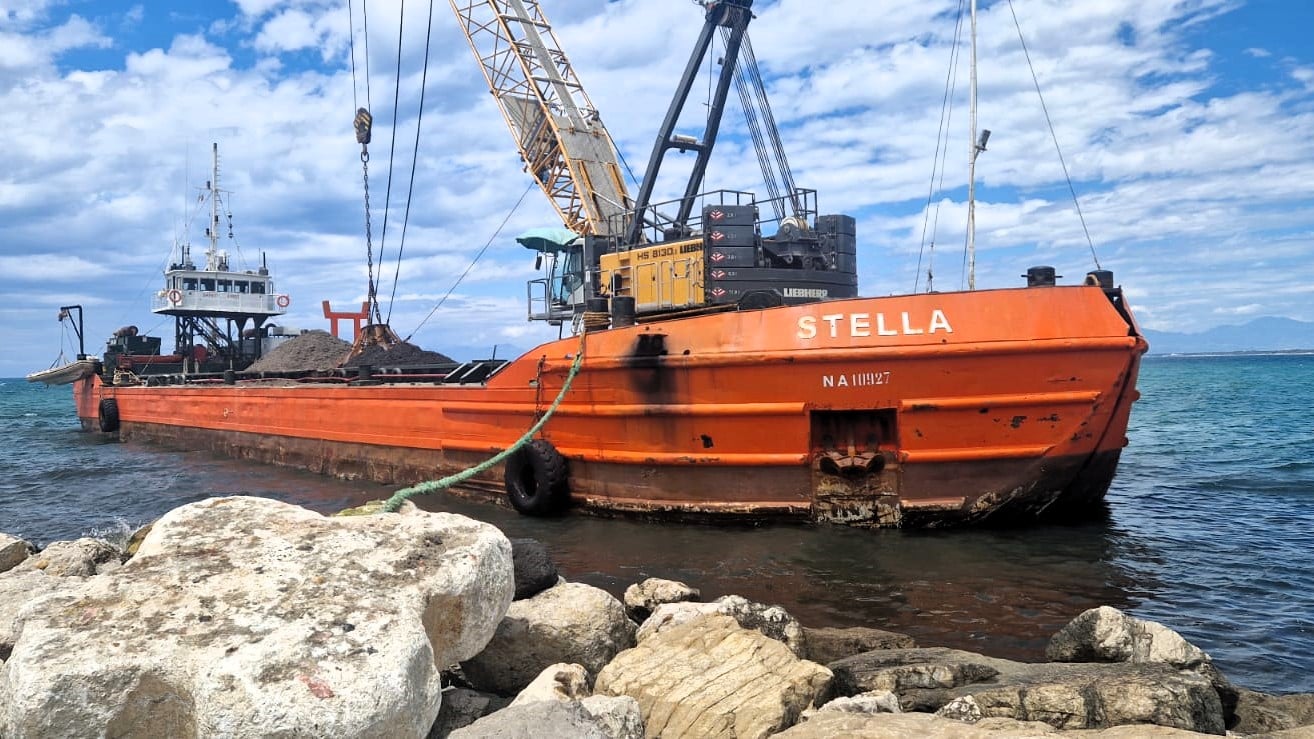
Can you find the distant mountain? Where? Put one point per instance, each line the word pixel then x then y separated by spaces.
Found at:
pixel 1266 334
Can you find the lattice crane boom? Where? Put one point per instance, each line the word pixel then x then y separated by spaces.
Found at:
pixel 565 147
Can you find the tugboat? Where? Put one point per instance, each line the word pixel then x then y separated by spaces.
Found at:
pixel 219 313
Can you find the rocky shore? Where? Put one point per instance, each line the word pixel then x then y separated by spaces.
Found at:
pixel 246 617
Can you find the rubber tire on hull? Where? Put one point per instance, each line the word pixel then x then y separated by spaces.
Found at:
pixel 109 415
pixel 536 478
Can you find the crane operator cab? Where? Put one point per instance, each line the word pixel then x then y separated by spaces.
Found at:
pixel 559 293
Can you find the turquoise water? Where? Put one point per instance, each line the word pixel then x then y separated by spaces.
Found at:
pixel 1210 530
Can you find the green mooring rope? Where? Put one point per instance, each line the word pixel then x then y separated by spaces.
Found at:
pixel 433 486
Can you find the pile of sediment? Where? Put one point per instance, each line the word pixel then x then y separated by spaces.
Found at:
pixel 404 354
pixel 313 350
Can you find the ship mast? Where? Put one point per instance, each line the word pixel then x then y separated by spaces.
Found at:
pixel 211 255
pixel 971 166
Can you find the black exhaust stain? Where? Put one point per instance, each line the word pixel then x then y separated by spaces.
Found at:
pixel 650 375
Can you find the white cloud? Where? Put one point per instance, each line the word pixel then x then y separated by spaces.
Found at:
pixel 1196 192
pixel 54 269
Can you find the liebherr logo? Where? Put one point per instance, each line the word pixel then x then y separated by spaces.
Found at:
pixel 805 292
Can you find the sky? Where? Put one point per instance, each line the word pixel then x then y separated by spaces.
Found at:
pixel 1187 128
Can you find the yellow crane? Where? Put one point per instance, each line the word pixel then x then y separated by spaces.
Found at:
pixel 565 147
pixel 631 255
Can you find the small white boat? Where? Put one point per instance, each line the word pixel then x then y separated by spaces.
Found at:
pixel 65 373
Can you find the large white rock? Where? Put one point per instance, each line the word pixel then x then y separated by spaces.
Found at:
pixel 598 717
pixel 17 589
pixel 570 623
pixel 641 598
pixel 12 551
pixel 559 682
pixel 1106 634
pixel 245 617
pixel 78 558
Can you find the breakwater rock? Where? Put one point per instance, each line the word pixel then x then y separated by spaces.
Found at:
pixel 245 617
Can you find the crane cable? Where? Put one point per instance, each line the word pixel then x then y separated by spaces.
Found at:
pixel 415 157
pixel 392 149
pixel 476 259
pixel 363 123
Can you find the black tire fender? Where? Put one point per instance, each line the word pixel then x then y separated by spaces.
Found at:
pixel 109 415
pixel 537 479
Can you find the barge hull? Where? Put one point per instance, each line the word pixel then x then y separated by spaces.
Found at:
pixel 926 410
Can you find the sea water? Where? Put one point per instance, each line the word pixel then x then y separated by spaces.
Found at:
pixel 1210 529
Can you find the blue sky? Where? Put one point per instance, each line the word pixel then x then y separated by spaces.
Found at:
pixel 1188 127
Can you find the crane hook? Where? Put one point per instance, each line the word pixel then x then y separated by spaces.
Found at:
pixel 364 121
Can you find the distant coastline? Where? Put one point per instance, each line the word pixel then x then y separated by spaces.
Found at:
pixel 1267 335
pixel 1247 353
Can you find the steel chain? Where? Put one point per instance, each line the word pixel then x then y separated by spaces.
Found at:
pixel 369 241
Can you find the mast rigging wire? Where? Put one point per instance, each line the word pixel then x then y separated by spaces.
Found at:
pixel 941 153
pixel 1036 81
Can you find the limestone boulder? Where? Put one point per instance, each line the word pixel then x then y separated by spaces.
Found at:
pixel 825 645
pixel 964 708
pixel 929 726
pixel 80 558
pixel 711 677
pixel 247 617
pixel 641 598
pixel 462 707
pixel 1106 634
pixel 1066 696
pixel 17 589
pixel 559 682
pixel 772 621
pixel 909 673
pixel 597 717
pixel 534 568
pixel 13 551
pixel 570 623
pixel 4 702
pixel 1259 713
pixel 877 701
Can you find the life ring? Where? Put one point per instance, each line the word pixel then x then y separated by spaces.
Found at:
pixel 175 297
pixel 283 301
pixel 109 415
pixel 536 479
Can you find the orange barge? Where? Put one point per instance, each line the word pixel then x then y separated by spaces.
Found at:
pixel 920 410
